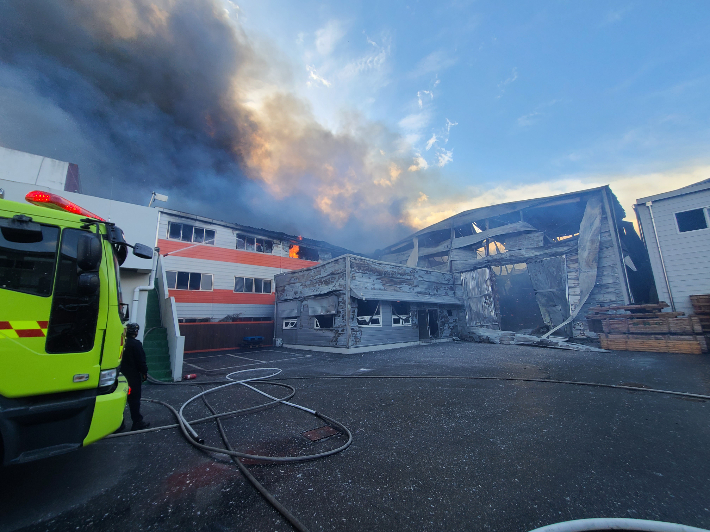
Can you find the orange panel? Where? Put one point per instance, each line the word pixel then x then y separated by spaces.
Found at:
pixel 207 252
pixel 221 296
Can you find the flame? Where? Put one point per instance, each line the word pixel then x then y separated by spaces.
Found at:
pixel 293 251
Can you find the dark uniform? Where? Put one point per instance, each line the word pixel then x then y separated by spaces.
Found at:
pixel 134 367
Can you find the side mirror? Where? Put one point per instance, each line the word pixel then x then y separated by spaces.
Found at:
pixel 142 251
pixel 88 284
pixel 88 253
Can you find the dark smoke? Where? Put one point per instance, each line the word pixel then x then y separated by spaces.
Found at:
pixel 150 96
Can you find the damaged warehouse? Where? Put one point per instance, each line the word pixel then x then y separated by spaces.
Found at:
pixel 536 266
pixel 356 303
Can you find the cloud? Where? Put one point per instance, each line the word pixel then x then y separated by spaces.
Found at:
pixel 419 97
pixel 431 142
pixel 328 36
pixel 433 63
pixel 449 125
pixel 171 95
pixel 503 84
pixel 419 164
pixel 627 188
pixel 374 60
pixel 532 117
pixel 444 157
pixel 415 122
pixel 313 75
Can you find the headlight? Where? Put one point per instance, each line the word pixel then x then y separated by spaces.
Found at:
pixel 107 377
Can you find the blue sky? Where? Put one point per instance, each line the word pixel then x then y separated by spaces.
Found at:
pixel 507 99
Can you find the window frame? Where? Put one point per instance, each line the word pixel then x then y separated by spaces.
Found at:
pixel 405 319
pixel 292 321
pixel 256 243
pixel 253 285
pixel 706 214
pixel 377 315
pixel 205 231
pixel 190 274
pixel 316 323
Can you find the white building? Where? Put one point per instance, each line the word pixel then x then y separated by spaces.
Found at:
pixel 22 172
pixel 676 229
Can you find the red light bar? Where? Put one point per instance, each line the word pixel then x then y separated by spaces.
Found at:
pixel 53 201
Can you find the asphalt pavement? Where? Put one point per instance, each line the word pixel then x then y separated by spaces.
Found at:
pixel 455 452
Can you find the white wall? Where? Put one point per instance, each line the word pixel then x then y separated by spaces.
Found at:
pixel 32 169
pixel 139 224
pixel 686 255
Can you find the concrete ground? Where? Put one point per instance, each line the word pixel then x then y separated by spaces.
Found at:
pixel 428 454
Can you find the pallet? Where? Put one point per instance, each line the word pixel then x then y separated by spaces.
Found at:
pixel 692 345
pixel 701 304
pixel 634 308
pixel 686 325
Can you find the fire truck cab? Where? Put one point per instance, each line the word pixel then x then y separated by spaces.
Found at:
pixel 61 327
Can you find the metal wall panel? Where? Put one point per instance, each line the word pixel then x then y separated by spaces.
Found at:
pixel 219 311
pixel 686 255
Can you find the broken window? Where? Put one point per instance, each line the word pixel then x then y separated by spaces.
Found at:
pixel 307 254
pixel 258 285
pixel 400 314
pixel 190 233
pixel 369 314
pixel 241 243
pixel 324 321
pixel 290 324
pixel 267 286
pixel 691 220
pixel 250 243
pixel 188 280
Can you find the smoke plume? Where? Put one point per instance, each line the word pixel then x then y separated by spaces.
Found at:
pixel 171 95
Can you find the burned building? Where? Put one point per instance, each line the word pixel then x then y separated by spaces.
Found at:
pixel 357 303
pixel 535 266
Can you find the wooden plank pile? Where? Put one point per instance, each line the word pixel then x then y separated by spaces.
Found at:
pixel 701 306
pixel 647 328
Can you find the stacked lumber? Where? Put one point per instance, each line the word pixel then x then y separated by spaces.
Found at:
pixel 647 328
pixel 701 306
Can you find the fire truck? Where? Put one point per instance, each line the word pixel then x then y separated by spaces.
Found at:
pixel 61 327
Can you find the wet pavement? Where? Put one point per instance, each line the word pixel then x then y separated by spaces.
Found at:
pixel 428 454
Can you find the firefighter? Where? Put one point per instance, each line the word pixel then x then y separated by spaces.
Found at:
pixel 134 367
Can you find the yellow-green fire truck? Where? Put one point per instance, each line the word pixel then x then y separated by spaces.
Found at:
pixel 61 327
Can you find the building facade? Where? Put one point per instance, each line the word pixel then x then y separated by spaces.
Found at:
pixel 534 266
pixel 354 303
pixel 223 273
pixel 676 229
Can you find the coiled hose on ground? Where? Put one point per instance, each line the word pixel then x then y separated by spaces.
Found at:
pixel 581 525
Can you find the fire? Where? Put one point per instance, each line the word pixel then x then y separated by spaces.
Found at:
pixel 293 251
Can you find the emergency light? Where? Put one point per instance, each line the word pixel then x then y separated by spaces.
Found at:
pixel 53 201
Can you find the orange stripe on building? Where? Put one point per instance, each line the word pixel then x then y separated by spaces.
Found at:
pixel 236 256
pixel 222 297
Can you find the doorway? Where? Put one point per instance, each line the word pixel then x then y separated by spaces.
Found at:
pixel 423 325
pixel 433 315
